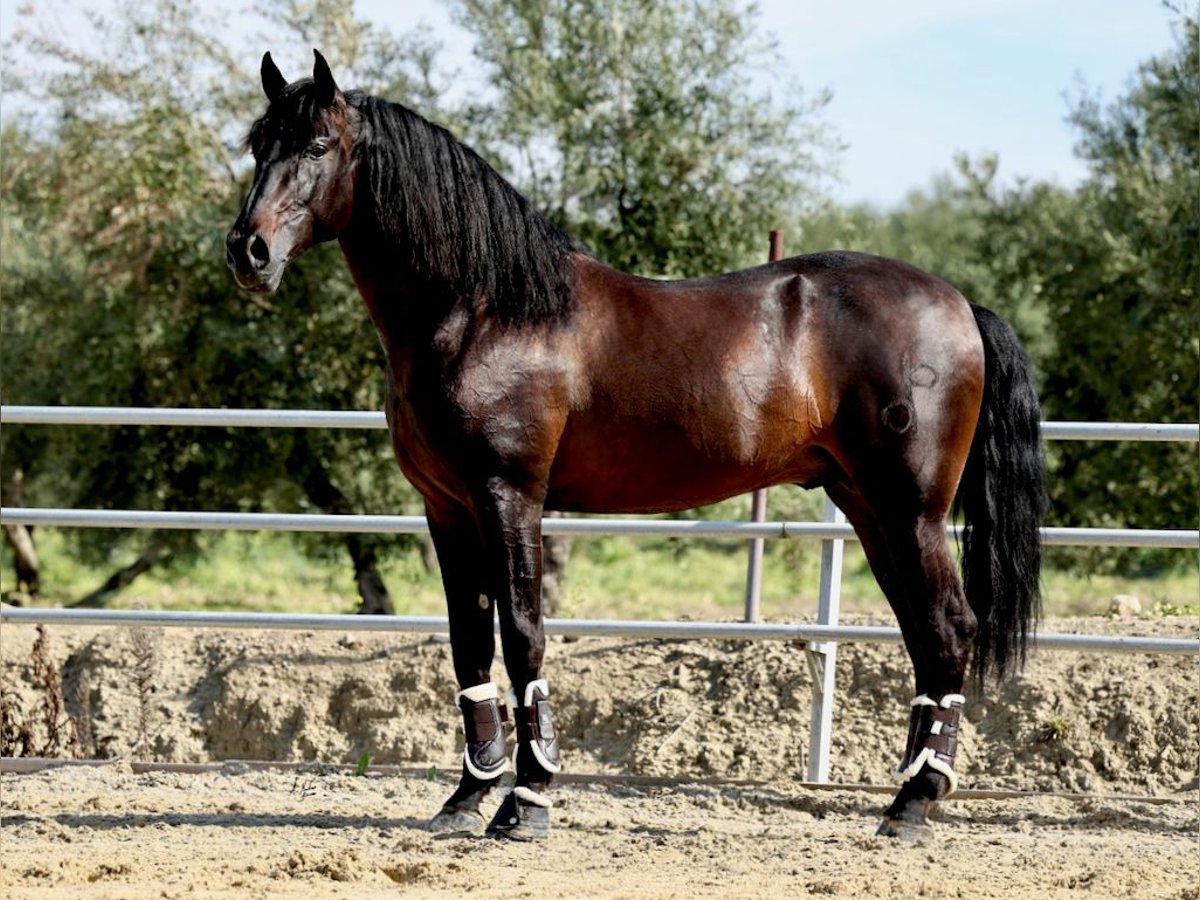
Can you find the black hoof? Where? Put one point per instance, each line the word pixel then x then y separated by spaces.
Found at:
pixel 906 832
pixel 456 821
pixel 518 819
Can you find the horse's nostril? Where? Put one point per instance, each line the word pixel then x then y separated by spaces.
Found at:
pixel 260 253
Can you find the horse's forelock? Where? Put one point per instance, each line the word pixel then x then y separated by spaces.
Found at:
pixel 291 119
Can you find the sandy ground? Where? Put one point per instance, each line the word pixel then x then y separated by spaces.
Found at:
pixel 683 759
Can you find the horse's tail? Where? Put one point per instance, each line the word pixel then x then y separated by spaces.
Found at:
pixel 1002 500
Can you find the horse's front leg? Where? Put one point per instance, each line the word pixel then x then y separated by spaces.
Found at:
pixel 473 644
pixel 511 522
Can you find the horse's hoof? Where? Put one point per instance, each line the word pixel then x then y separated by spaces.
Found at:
pixel 456 821
pixel 907 832
pixel 521 819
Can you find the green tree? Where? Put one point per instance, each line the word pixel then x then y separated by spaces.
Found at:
pixel 115 206
pixel 1116 267
pixel 639 126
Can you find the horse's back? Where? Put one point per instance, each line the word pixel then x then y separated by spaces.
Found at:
pixel 700 389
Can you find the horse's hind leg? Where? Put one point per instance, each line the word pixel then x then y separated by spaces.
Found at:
pixel 473 645
pixel 911 559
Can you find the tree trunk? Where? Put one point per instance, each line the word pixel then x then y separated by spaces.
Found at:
pixel 556 551
pixel 20 539
pixel 25 559
pixel 323 493
pixel 376 601
pixel 154 554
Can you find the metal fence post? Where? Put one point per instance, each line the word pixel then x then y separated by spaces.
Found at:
pixel 758 513
pixel 822 655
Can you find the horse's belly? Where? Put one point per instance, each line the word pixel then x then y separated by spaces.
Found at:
pixel 645 468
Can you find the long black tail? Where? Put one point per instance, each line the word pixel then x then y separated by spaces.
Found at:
pixel 1002 499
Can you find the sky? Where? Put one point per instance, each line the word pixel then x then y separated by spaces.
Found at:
pixel 914 82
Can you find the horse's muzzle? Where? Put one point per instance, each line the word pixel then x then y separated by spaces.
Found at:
pixel 249 258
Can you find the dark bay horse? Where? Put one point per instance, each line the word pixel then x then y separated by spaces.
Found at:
pixel 525 375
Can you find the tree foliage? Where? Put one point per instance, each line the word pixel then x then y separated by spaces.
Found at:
pixel 640 127
pixel 1115 265
pixel 115 208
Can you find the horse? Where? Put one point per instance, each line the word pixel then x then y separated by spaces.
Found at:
pixel 524 375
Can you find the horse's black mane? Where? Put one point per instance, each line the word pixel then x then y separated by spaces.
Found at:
pixel 458 226
pixel 460 222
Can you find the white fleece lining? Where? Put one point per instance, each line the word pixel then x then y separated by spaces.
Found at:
pixel 929 757
pixel 480 773
pixel 479 693
pixel 540 683
pixel 533 797
pixel 926 700
pixel 552 768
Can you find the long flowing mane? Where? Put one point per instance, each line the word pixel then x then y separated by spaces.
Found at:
pixel 460 227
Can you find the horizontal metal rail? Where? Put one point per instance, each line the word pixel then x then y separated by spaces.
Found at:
pixel 774 631
pixel 317 418
pixel 1179 539
pixel 226 418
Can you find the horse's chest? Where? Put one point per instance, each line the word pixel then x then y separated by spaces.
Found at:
pixel 423 431
pixel 451 428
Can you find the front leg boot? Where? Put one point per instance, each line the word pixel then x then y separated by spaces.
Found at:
pixel 933 740
pixel 486 752
pixel 926 772
pixel 485 759
pixel 535 728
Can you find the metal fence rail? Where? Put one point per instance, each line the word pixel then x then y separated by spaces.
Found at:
pixel 1179 539
pixel 821 638
pixel 319 418
pixel 760 631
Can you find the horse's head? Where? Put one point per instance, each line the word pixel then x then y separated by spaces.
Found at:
pixel 304 175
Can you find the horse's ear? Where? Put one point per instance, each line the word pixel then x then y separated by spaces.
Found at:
pixel 326 87
pixel 273 81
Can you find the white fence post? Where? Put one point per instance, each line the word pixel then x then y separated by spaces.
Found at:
pixel 754 565
pixel 822 655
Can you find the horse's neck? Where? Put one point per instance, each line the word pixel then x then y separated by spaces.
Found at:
pixel 405 310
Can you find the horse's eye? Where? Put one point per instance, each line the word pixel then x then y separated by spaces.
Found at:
pixel 316 149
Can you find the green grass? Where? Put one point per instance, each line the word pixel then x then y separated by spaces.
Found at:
pixel 608 577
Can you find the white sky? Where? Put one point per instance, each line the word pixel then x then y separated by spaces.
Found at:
pixel 913 81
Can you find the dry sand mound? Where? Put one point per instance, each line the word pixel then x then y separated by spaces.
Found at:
pixel 728 721
pixel 1118 723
